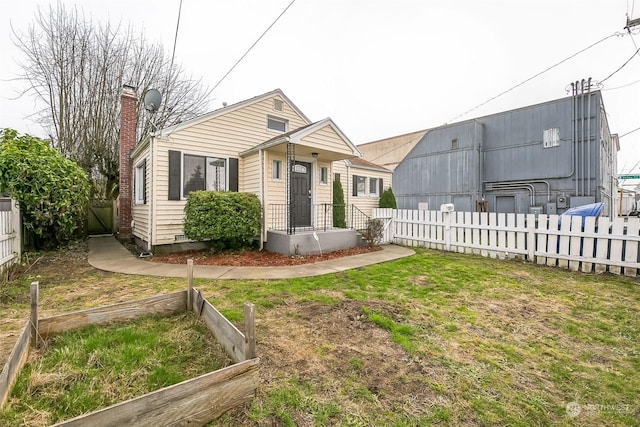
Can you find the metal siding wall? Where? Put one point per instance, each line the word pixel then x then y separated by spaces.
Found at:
pixel 512 151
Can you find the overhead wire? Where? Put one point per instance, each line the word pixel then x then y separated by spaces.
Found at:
pixel 250 48
pixel 631 131
pixel 175 39
pixel 621 67
pixel 535 75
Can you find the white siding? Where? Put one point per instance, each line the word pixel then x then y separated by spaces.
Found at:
pixel 140 211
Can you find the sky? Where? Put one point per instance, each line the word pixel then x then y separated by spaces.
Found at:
pixel 378 68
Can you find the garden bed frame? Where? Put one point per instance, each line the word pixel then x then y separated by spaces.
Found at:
pixel 192 402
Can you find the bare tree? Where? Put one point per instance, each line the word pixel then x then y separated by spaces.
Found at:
pixel 76 68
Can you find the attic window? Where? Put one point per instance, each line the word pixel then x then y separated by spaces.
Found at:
pixel 278 105
pixel 278 125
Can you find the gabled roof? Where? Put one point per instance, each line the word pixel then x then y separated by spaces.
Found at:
pixel 297 134
pixel 365 164
pixel 229 108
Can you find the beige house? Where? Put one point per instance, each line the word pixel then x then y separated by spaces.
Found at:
pixel 264 145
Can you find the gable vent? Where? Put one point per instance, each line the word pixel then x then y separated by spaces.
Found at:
pixel 278 105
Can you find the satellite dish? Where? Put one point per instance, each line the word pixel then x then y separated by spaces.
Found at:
pixel 152 100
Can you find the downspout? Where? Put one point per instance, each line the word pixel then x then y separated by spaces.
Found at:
pixel 575 131
pixel 589 139
pixel 261 196
pixel 582 136
pixel 151 200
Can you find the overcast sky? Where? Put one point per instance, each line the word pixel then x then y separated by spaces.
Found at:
pixel 379 68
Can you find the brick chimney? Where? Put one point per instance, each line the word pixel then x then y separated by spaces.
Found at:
pixel 128 137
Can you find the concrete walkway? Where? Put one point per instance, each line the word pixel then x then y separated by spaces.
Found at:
pixel 106 253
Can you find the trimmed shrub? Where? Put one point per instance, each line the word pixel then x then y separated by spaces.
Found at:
pixel 53 192
pixel 374 232
pixel 339 220
pixel 388 200
pixel 229 220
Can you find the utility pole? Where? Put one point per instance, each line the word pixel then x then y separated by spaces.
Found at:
pixel 631 23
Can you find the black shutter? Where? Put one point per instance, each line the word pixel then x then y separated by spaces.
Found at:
pixel 380 191
pixel 233 174
pixel 144 182
pixel 354 190
pixel 175 158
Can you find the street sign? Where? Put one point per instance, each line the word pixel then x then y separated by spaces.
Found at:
pixel 628 176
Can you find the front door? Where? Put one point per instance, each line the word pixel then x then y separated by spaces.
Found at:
pixel 301 194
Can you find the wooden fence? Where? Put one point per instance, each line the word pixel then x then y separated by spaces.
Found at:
pixel 10 240
pixel 588 245
pixel 192 402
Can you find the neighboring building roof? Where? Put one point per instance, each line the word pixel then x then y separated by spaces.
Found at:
pixel 299 133
pixel 365 164
pixel 229 108
pixel 390 151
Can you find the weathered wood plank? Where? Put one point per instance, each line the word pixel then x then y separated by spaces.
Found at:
pixel 16 361
pixel 475 233
pixel 617 228
pixel 602 249
pixel 588 243
pixel 250 331
pixel 222 329
pixel 575 244
pixel 192 402
pixel 552 242
pixel 34 291
pixel 157 305
pixel 631 247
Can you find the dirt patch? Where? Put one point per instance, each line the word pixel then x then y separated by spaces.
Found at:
pixel 334 347
pixel 255 258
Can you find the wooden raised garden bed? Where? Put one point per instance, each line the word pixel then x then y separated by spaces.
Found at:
pixel 192 402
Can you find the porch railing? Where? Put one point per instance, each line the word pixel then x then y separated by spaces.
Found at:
pixel 321 218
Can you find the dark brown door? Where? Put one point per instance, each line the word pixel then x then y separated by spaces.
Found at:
pixel 301 194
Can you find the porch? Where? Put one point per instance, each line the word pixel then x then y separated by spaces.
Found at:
pixel 289 235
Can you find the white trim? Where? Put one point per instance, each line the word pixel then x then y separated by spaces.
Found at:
pixel 273 161
pixel 136 185
pixel 285 122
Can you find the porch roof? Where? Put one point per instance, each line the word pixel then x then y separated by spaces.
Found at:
pixel 305 146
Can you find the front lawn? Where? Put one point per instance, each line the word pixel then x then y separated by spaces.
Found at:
pixel 438 337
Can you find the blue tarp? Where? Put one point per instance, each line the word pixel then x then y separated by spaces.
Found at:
pixel 584 211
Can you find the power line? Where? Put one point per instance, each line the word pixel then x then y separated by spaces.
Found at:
pixel 175 40
pixel 621 67
pixel 623 86
pixel 535 75
pixel 251 47
pixel 631 131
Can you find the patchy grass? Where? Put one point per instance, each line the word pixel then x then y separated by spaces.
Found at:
pixel 94 367
pixel 436 338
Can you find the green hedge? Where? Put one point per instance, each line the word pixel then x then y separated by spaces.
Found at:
pixel 53 192
pixel 228 220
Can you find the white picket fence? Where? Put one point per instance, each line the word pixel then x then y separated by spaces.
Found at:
pixel 10 245
pixel 568 242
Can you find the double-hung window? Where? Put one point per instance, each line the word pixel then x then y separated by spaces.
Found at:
pixel 203 173
pixel 359 186
pixel 140 183
pixel 374 185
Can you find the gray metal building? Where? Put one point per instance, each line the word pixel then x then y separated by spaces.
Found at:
pixel 542 158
